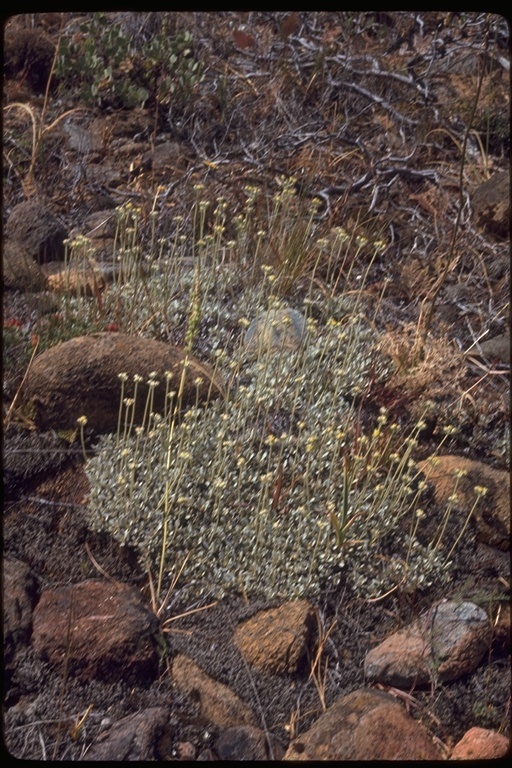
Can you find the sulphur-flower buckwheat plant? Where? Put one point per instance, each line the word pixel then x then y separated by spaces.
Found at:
pixel 256 491
pixel 272 490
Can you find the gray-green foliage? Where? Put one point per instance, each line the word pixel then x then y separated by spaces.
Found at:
pixel 255 487
pixel 108 65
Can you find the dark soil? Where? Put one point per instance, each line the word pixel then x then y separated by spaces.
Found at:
pixel 47 529
pixel 311 137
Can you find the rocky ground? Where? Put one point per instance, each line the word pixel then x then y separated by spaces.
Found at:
pixel 368 114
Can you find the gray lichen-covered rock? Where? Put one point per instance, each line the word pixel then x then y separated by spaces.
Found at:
pixel 133 738
pixel 20 590
pixel 446 642
pixel 276 329
pixel 80 377
pixel 246 742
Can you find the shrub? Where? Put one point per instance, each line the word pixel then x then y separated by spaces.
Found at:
pixel 271 491
pixel 108 66
pixel 279 489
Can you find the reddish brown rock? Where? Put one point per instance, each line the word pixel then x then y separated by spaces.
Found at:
pixel 133 738
pixel 219 704
pixel 186 750
pixel 97 629
pixel 277 639
pixel 480 744
pixel 86 279
pixel 80 377
pixel 448 641
pixel 492 512
pixel 365 725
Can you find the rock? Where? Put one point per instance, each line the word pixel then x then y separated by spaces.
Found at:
pixel 186 750
pixel 495 350
pixel 277 639
pixel 86 279
pixel 101 225
pixel 492 512
pixel 245 742
pixel 480 744
pixel 80 377
pixel 491 205
pixel 39 232
pixel 206 755
pixel 275 329
pixel 501 627
pixel 29 455
pixel 100 232
pixel 28 54
pixel 218 703
pixel 489 562
pixel 167 155
pixel 133 738
pixel 127 123
pixel 19 270
pixel 364 725
pixel 98 630
pixel 83 139
pixel 448 641
pixel 19 594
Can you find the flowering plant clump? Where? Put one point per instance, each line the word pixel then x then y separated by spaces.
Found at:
pixel 275 490
pixel 262 493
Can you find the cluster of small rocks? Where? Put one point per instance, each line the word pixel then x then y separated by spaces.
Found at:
pixel 101 629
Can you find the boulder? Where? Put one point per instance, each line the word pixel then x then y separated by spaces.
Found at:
pixel 218 704
pixel 492 512
pixel 19 270
pixel 80 377
pixel 277 329
pixel 28 55
pixel 446 642
pixel 38 231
